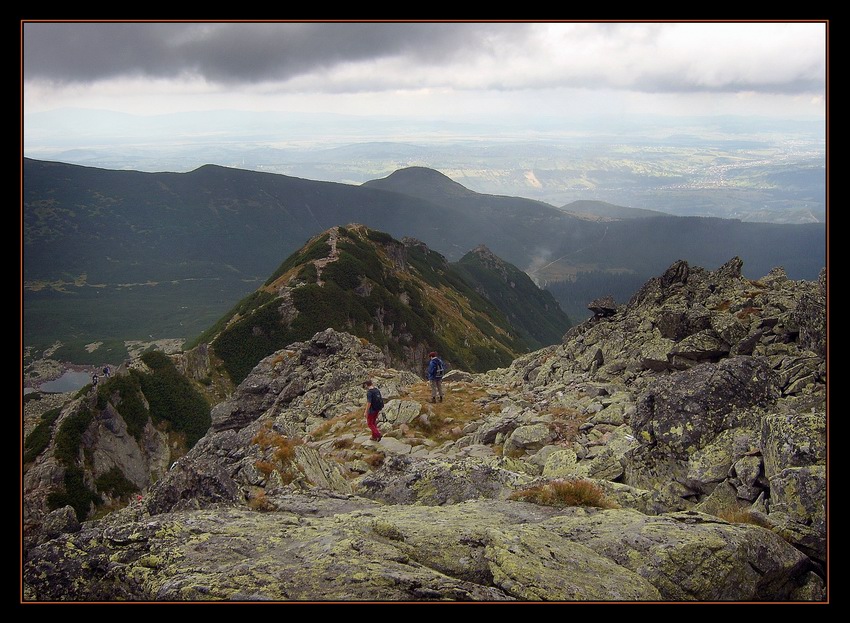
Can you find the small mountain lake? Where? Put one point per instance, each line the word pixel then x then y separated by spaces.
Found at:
pixel 70 381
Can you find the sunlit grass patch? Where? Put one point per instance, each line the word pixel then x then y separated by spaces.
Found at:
pixel 444 421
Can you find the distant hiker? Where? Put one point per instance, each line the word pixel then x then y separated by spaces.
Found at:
pixel 374 404
pixel 435 376
pixel 106 372
pixel 94 379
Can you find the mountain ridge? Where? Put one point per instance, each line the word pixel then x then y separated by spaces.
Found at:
pixel 400 295
pixel 133 255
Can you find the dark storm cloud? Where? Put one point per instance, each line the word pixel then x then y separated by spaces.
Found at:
pixel 239 52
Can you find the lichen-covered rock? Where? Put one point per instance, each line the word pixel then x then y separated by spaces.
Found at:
pixel 313 378
pixel 685 411
pixel 798 506
pixel 711 464
pixel 529 437
pixel 792 440
pixel 562 464
pixel 691 556
pixel 533 564
pixel 810 316
pixel 401 411
pixel 409 480
pixel 349 549
pixel 60 521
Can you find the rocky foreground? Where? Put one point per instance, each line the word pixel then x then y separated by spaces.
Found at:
pixel 671 449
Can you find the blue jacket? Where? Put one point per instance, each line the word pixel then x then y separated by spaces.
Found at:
pixel 432 368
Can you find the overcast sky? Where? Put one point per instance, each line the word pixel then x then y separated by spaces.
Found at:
pixel 428 69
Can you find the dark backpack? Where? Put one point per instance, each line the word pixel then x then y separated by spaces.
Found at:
pixel 439 369
pixel 375 399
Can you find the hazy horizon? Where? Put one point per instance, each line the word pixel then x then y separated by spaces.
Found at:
pixel 532 109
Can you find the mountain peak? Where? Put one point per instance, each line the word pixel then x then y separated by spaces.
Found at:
pixel 421 182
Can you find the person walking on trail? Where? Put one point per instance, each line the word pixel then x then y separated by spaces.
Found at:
pixel 435 376
pixel 374 404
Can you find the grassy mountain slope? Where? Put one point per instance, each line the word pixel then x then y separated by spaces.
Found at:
pixel 401 296
pixel 532 311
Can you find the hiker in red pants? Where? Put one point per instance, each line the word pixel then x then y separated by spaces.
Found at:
pixel 374 404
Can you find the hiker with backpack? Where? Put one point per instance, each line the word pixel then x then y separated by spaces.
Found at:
pixel 435 376
pixel 374 404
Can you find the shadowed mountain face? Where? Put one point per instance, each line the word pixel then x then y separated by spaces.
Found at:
pixel 116 255
pixel 600 210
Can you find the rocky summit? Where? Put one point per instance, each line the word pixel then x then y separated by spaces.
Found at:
pixel 671 448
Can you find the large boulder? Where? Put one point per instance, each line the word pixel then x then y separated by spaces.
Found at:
pixel 343 548
pixel 683 412
pixel 692 556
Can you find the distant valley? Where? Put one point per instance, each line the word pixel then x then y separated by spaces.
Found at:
pixel 730 167
pixel 111 256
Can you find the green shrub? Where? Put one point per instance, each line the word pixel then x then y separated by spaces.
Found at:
pixel 345 271
pixel 244 343
pixel 68 441
pixel 308 274
pixel 39 437
pixel 115 483
pixel 76 493
pixel 32 396
pixel 124 393
pixel 69 437
pixel 380 237
pixel 173 398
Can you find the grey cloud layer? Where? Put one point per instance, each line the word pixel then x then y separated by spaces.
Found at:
pixel 83 52
pixel 631 56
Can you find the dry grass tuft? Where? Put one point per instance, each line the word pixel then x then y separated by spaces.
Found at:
pixel 375 459
pixel 282 453
pixel 741 515
pixel 283 447
pixel 565 493
pixel 264 467
pixel 346 419
pixel 747 312
pixel 259 502
pixel 565 424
